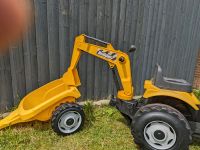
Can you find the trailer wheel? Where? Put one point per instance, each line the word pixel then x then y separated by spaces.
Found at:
pixel 160 127
pixel 67 119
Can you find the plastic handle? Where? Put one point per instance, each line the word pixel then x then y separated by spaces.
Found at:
pixel 97 40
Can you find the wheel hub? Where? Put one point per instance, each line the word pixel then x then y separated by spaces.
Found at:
pixel 69 121
pixel 160 135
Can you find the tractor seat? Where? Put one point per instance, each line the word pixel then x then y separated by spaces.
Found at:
pixel 170 83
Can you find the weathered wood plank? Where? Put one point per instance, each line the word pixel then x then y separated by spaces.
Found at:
pixel 53 38
pixel 98 63
pixel 158 33
pixel 18 73
pixel 6 93
pixel 147 31
pixel 127 25
pixel 42 41
pixel 64 35
pixel 114 35
pixel 30 57
pixel 106 72
pixel 73 23
pixel 83 24
pixel 30 60
pixel 122 17
pixel 92 12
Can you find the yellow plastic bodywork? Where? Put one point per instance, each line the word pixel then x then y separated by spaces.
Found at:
pixel 39 104
pixel 152 91
pixel 123 68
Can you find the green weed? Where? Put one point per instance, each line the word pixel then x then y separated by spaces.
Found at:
pixel 89 112
pixel 197 93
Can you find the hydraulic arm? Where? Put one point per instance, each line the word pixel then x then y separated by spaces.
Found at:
pixel 116 59
pixel 42 102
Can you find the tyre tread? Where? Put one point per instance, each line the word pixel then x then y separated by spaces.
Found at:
pixel 161 108
pixel 59 110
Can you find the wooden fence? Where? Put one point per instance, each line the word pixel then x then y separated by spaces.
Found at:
pixel 164 31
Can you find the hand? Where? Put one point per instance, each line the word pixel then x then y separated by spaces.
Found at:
pixel 14 15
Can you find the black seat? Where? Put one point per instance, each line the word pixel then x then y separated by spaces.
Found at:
pixel 170 83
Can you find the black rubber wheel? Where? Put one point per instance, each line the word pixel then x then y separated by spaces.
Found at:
pixel 67 119
pixel 160 127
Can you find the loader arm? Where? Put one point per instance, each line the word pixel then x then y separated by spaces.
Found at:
pixel 105 51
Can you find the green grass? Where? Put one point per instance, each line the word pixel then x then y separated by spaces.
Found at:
pixel 197 93
pixel 106 131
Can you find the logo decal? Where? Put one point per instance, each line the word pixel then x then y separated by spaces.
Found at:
pixel 107 54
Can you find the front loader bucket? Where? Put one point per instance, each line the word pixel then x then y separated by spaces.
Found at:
pixel 39 104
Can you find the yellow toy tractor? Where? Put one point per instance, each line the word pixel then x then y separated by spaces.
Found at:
pixel 165 118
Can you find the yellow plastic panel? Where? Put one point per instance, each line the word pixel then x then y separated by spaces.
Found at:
pixel 39 104
pixel 152 91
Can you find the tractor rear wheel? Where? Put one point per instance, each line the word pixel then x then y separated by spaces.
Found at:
pixel 67 119
pixel 160 127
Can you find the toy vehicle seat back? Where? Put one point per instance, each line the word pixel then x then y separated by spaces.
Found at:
pixel 170 83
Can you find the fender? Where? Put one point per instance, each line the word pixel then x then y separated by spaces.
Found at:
pixel 152 91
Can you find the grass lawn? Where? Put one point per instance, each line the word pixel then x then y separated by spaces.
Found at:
pixel 108 132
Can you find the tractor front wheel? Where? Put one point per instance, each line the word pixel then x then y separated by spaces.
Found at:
pixel 160 127
pixel 67 119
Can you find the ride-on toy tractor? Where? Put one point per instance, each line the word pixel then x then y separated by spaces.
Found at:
pixel 165 118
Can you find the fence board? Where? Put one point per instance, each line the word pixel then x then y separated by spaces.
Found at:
pixel 17 73
pixel 83 24
pixel 53 38
pixel 6 94
pixel 98 63
pixel 92 12
pixel 106 73
pixel 30 61
pixel 64 35
pixel 163 31
pixel 42 41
